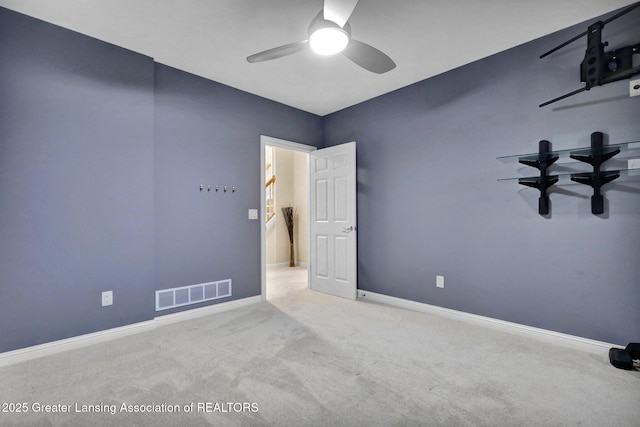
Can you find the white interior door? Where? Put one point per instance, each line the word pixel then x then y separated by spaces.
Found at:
pixel 333 240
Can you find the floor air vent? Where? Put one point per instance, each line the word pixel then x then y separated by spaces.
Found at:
pixel 185 295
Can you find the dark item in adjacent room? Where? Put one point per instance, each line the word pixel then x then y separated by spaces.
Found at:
pixel 288 219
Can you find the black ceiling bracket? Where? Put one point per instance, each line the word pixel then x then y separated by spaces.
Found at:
pixel 595 156
pixel 542 161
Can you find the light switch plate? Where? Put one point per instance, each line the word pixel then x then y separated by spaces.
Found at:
pixel 253 213
pixel 634 87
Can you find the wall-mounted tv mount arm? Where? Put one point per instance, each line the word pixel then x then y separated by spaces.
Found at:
pixel 599 67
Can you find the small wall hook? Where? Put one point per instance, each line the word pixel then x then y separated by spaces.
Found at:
pixel 217 188
pixel 201 187
pixel 225 188
pixel 233 189
pixel 209 189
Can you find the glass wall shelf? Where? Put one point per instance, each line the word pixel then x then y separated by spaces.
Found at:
pixel 595 155
pixel 565 178
pixel 630 148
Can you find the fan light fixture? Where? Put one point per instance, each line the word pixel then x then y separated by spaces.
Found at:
pixel 328 40
pixel 330 33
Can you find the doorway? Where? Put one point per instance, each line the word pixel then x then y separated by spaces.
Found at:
pixel 284 183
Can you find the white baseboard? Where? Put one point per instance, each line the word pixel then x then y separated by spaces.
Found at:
pixel 278 265
pixel 571 341
pixel 566 340
pixel 34 352
pixel 286 264
pixel 205 311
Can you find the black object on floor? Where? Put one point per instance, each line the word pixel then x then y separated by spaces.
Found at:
pixel 628 359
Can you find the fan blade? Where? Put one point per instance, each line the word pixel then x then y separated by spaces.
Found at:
pixel 278 52
pixel 339 11
pixel 368 57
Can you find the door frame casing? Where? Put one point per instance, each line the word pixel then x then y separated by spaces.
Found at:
pixel 288 145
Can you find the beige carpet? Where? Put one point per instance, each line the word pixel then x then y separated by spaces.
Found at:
pixel 308 359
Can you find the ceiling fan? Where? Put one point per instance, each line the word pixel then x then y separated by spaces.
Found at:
pixel 329 33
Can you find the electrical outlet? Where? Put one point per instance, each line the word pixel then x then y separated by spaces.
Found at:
pixel 440 281
pixel 634 87
pixel 107 298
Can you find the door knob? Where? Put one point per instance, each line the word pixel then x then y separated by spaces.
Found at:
pixel 347 229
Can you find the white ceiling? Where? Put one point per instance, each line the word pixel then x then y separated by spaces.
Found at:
pixel 212 38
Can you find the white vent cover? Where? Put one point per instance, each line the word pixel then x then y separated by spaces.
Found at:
pixel 185 295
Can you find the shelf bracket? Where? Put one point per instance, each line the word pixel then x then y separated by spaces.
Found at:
pixel 595 156
pixel 542 161
pixel 596 181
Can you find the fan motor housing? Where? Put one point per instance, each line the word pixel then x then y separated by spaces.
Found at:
pixel 319 22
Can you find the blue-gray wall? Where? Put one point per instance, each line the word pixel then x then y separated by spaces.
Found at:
pixel 429 202
pixel 208 133
pixel 101 154
pixel 76 183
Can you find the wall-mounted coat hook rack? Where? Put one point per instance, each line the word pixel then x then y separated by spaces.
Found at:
pixel 225 188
